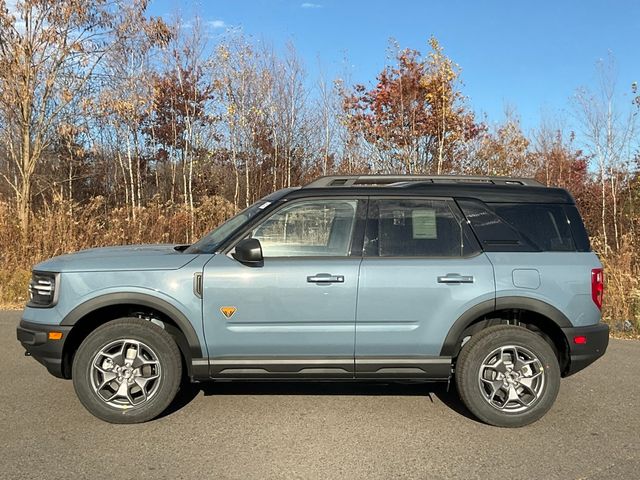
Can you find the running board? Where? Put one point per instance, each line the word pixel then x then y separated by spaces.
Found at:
pixel 371 368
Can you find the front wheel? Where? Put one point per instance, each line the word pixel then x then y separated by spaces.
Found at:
pixel 507 376
pixel 127 371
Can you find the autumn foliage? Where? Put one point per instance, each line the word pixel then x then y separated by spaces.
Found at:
pixel 414 119
pixel 116 127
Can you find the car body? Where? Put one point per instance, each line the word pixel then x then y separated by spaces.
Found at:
pixel 372 278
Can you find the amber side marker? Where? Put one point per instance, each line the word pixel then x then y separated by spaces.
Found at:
pixel 55 335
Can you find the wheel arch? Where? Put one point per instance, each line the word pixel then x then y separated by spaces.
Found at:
pixel 531 313
pixel 89 315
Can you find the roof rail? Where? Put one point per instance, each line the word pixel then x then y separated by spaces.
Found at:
pixel 402 180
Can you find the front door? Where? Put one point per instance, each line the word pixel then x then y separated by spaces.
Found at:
pixel 295 315
pixel 422 269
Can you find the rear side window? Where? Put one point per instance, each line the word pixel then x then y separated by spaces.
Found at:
pixel 416 228
pixel 543 225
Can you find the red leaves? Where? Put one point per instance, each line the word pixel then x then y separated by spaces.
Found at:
pixel 179 97
pixel 414 113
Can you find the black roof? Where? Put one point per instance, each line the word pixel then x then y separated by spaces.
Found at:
pixel 486 189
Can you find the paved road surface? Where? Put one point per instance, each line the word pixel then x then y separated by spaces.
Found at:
pixel 332 431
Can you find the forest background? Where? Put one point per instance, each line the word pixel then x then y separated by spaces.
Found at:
pixel 118 127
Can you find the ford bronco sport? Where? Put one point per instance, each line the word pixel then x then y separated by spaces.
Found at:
pixel 488 281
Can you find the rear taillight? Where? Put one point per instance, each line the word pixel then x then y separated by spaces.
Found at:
pixel 597 286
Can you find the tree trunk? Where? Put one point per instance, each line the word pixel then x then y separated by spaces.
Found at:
pixel 24 195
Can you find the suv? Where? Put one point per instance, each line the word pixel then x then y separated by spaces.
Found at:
pixel 489 281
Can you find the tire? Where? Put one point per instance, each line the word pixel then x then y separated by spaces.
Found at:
pixel 127 371
pixel 489 387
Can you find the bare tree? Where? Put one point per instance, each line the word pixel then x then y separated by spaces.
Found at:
pixel 608 133
pixel 49 51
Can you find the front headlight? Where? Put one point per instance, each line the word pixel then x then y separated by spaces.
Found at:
pixel 43 289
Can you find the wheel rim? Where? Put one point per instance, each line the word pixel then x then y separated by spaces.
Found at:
pixel 511 378
pixel 125 373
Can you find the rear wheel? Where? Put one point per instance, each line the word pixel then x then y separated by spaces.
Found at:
pixel 127 371
pixel 507 376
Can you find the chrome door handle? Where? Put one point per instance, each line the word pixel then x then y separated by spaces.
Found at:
pixel 325 278
pixel 455 278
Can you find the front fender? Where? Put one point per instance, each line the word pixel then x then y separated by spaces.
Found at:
pixel 146 300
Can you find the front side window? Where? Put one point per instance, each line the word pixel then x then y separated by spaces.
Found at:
pixel 310 228
pixel 210 242
pixel 415 228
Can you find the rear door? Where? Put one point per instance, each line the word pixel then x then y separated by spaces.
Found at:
pixel 422 269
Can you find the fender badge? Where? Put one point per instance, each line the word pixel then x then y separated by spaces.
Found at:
pixel 228 311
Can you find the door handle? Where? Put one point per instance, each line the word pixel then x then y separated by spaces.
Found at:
pixel 325 278
pixel 455 278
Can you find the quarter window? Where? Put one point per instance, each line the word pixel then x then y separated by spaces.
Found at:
pixel 545 226
pixel 312 228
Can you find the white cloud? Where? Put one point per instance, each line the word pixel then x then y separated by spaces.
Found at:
pixel 217 24
pixel 310 5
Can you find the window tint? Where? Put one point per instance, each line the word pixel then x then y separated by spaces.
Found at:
pixel 545 226
pixel 495 234
pixel 308 229
pixel 580 235
pixel 414 228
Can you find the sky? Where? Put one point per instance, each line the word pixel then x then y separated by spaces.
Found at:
pixel 528 56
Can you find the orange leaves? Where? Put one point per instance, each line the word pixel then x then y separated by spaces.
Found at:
pixel 414 114
pixel 158 31
pixel 66 95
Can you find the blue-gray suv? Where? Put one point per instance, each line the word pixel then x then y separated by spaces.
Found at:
pixel 487 281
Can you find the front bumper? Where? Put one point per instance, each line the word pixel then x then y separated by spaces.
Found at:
pixel 34 337
pixel 583 355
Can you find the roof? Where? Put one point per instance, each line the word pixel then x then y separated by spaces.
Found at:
pixel 486 189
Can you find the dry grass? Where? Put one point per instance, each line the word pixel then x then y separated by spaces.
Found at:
pixel 622 289
pixel 68 227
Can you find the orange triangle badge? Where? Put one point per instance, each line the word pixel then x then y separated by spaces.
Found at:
pixel 228 311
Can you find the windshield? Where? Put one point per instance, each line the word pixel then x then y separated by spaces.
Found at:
pixel 212 240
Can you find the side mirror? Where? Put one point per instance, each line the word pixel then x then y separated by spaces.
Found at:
pixel 249 252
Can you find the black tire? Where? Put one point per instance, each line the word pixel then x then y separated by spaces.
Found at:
pixel 474 392
pixel 167 361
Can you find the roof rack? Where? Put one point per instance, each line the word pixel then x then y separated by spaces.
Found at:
pixel 403 180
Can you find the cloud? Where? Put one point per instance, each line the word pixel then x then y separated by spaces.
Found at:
pixel 310 5
pixel 217 24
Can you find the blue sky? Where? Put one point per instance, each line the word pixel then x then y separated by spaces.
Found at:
pixel 528 55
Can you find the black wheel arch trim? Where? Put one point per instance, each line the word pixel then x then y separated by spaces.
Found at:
pixel 450 345
pixel 164 307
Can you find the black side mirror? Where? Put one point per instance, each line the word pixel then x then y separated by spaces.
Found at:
pixel 249 252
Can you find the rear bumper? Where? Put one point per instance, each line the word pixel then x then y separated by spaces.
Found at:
pixel 34 337
pixel 583 355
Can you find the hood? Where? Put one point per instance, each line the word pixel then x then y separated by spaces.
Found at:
pixel 126 257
